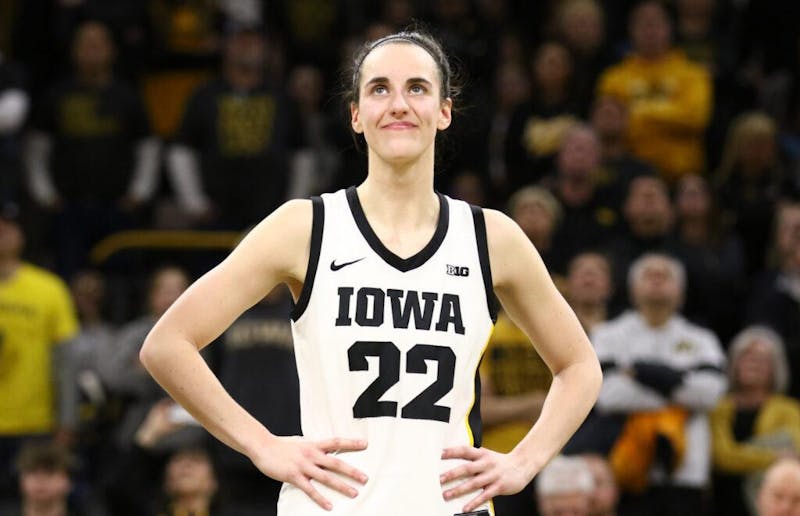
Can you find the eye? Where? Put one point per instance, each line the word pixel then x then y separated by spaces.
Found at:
pixel 379 89
pixel 418 89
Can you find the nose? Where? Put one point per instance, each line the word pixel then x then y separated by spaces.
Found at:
pixel 398 106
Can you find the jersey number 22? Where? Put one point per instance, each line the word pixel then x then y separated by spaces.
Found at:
pixel 424 405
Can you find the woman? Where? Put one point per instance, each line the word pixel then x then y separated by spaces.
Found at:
pixel 755 424
pixel 750 181
pixel 361 264
pixel 714 258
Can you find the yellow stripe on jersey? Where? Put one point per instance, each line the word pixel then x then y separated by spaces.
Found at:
pixel 466 418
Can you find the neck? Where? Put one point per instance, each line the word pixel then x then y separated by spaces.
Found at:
pixel 8 267
pixel 398 195
pixel 590 313
pixel 614 147
pixel 575 193
pixel 242 80
pixel 90 318
pixel 656 316
pixel 751 397
pixel 194 503
pixel 655 56
pixel 52 508
pixel 95 77
pixel 551 96
pixel 694 230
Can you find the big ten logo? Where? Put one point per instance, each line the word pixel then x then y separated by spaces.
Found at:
pixel 455 270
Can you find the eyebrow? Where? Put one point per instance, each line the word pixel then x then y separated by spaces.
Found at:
pixel 411 80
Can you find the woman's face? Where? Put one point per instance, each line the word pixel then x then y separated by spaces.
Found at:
pixel 758 153
pixel 589 279
pixel 754 367
pixel 400 107
pixel 536 221
pixel 693 198
pixel 552 67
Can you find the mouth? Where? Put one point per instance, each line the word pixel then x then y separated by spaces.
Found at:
pixel 399 126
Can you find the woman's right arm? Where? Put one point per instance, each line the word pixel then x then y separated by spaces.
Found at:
pixel 275 251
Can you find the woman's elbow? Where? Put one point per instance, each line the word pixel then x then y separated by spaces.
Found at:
pixel 595 377
pixel 150 351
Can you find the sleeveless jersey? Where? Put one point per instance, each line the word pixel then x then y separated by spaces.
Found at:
pixel 387 350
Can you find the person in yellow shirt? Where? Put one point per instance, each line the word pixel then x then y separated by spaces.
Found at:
pixel 755 425
pixel 36 315
pixel 669 98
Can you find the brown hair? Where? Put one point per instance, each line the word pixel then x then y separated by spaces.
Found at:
pixel 43 456
pixel 411 37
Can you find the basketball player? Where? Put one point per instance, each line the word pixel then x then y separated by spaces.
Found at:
pixel 395 299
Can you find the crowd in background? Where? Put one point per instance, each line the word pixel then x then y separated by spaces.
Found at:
pixel 649 149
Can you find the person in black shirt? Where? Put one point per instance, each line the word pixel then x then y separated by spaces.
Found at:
pixel 256 365
pixel 13 109
pixel 91 158
pixel 229 165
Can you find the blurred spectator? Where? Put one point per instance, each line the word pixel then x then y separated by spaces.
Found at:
pixel 565 487
pixel 460 31
pixel 313 167
pixel 311 29
pixel 779 494
pixel 713 256
pixel 190 483
pixel 511 89
pixel 44 481
pixel 766 37
pixel 137 485
pixel 665 374
pixel 93 345
pixel 669 98
pixel 229 165
pixel 90 158
pixel 125 375
pixel 780 98
pixel 649 218
pixel 609 118
pixel 14 104
pixel 37 391
pixel 750 181
pixel 775 299
pixel 755 424
pixel 537 127
pixel 586 222
pixel 581 26
pixel 588 288
pixel 91 351
pixel 255 363
pixel 606 493
pixel 701 35
pixel 184 33
pixel 538 213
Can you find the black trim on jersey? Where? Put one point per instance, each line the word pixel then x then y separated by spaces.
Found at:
pixel 474 418
pixel 317 223
pixel 401 264
pixel 483 256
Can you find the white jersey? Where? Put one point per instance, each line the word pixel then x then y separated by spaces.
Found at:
pixel 387 350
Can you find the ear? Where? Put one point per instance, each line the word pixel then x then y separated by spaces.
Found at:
pixel 355 119
pixel 445 114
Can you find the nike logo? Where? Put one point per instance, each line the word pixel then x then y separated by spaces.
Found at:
pixel 336 267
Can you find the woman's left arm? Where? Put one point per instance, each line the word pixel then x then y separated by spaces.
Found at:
pixel 528 295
